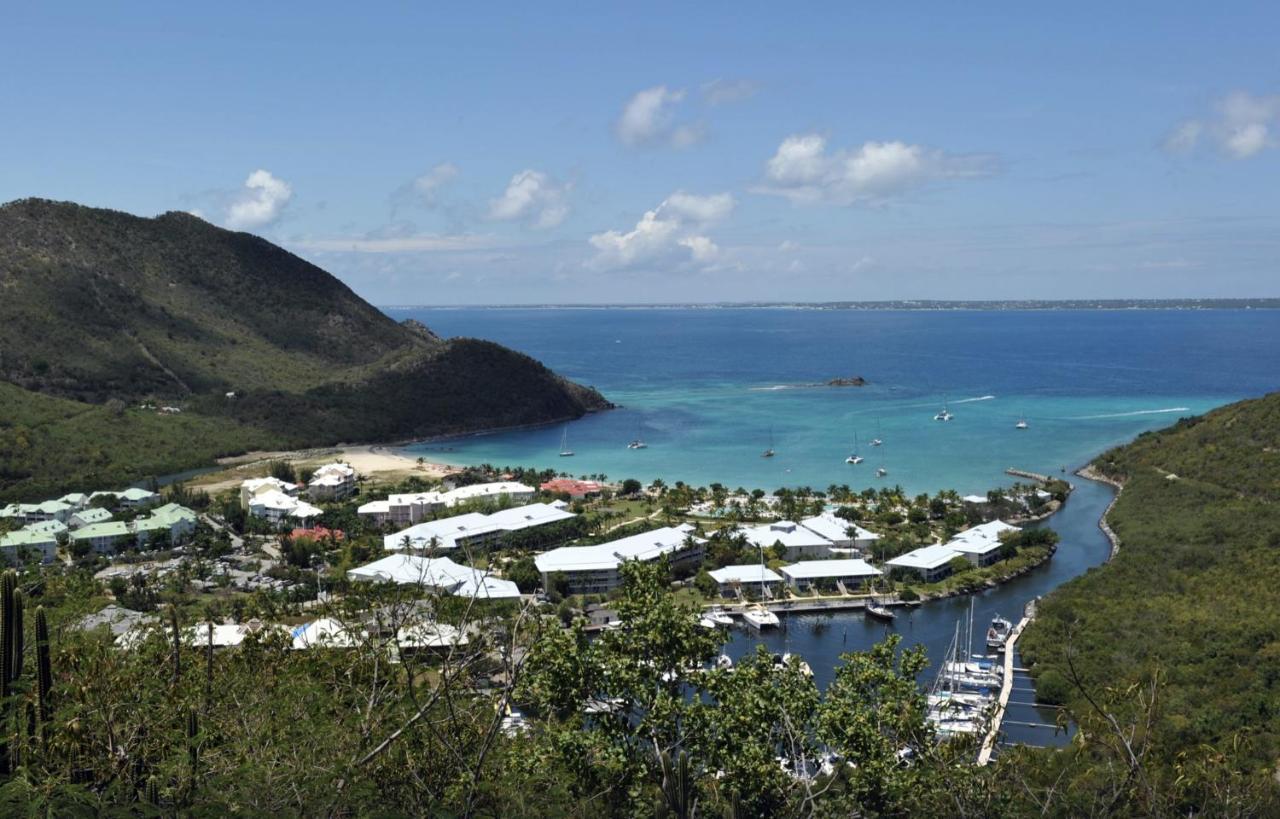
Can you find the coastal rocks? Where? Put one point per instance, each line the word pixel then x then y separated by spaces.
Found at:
pixel 853 381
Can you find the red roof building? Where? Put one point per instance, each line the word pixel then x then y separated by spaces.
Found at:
pixel 320 533
pixel 573 487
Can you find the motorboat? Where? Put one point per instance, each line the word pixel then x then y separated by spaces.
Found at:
pixel 998 633
pixel 804 667
pixel 881 472
pixel 718 616
pixel 945 414
pixel 758 617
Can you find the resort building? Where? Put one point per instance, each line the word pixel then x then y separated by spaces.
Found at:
pixel 474 529
pixel 798 541
pixel 595 569
pixel 278 507
pixel 260 486
pixel 497 491
pixel 402 510
pixel 332 482
pixel 749 578
pixel 27 513
pixel 843 534
pixel 103 538
pixel 56 528
pixel 843 576
pixel 931 563
pixel 438 574
pixel 76 500
pixel 88 517
pixel 131 498
pixel 981 544
pixel 574 488
pixel 22 545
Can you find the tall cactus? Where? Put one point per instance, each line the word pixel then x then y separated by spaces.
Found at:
pixel 44 670
pixel 18 642
pixel 193 747
pixel 8 584
pixel 177 644
pixel 153 792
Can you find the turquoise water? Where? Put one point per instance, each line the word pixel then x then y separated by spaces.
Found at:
pixel 708 388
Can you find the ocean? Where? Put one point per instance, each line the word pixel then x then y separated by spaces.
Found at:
pixel 709 389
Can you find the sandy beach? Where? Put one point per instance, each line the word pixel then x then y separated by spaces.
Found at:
pixel 371 461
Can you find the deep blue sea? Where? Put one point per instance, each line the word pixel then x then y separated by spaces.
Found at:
pixel 706 388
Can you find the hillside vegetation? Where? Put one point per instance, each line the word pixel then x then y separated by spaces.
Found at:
pixel 1191 601
pixel 104 308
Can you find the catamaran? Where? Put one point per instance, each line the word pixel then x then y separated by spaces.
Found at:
pixel 565 452
pixel 876 440
pixel 638 441
pixel 769 453
pixel 1022 424
pixel 854 458
pixel 945 415
pixel 758 617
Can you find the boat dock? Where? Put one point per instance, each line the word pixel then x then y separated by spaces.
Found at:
pixel 1006 687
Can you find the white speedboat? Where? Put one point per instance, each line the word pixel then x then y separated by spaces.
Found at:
pixel 707 622
pixel 637 444
pixel 758 617
pixel 804 667
pixel 999 633
pixel 876 442
pixel 718 616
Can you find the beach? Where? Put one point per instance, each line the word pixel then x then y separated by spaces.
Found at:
pixel 380 463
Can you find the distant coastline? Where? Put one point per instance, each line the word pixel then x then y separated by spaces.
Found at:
pixel 914 304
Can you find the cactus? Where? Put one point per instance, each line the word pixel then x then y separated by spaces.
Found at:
pixel 677 786
pixel 208 671
pixel 153 791
pixel 193 748
pixel 44 670
pixel 19 645
pixel 177 644
pixel 7 587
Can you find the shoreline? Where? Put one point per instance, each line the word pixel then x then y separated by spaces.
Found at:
pixel 1090 474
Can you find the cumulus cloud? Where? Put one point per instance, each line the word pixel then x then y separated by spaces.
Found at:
pixel 649 118
pixel 722 91
pixel 534 198
pixel 671 233
pixel 804 171
pixel 259 203
pixel 428 183
pixel 1241 126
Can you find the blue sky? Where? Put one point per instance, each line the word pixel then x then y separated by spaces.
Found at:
pixel 532 153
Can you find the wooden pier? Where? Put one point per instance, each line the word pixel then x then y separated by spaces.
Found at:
pixel 1006 687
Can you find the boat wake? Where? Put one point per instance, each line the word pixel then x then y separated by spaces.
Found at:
pixel 971 400
pixel 1130 414
pixel 777 387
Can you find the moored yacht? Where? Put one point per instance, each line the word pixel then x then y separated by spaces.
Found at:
pixel 998 633
pixel 1022 424
pixel 854 457
pixel 758 617
pixel 718 616
pixel 565 452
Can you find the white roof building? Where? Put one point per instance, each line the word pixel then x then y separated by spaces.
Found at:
pixel 438 573
pixel 836 529
pixel 277 506
pixel 975 499
pixel 930 562
pixel 643 547
pixel 488 491
pixel 325 633
pixel 829 569
pixel 981 544
pixel 747 574
pixel 258 486
pixel 798 540
pixel 473 527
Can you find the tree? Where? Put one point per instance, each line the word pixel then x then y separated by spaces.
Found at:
pixel 524 573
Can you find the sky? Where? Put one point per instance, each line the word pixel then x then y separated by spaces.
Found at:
pixel 444 154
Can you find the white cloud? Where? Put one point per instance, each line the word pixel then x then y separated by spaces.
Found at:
pixel 1242 126
pixel 788 246
pixel 723 92
pixel 431 181
pixel 533 198
pixel 670 234
pixel 804 171
pixel 711 208
pixel 259 203
pixel 649 117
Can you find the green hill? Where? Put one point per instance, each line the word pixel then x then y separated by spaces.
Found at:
pixel 105 310
pixel 1192 598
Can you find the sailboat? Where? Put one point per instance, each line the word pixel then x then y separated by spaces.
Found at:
pixel 876 440
pixel 756 615
pixel 565 452
pixel 769 453
pixel 945 415
pixel 880 470
pixel 638 442
pixel 1022 424
pixel 855 458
